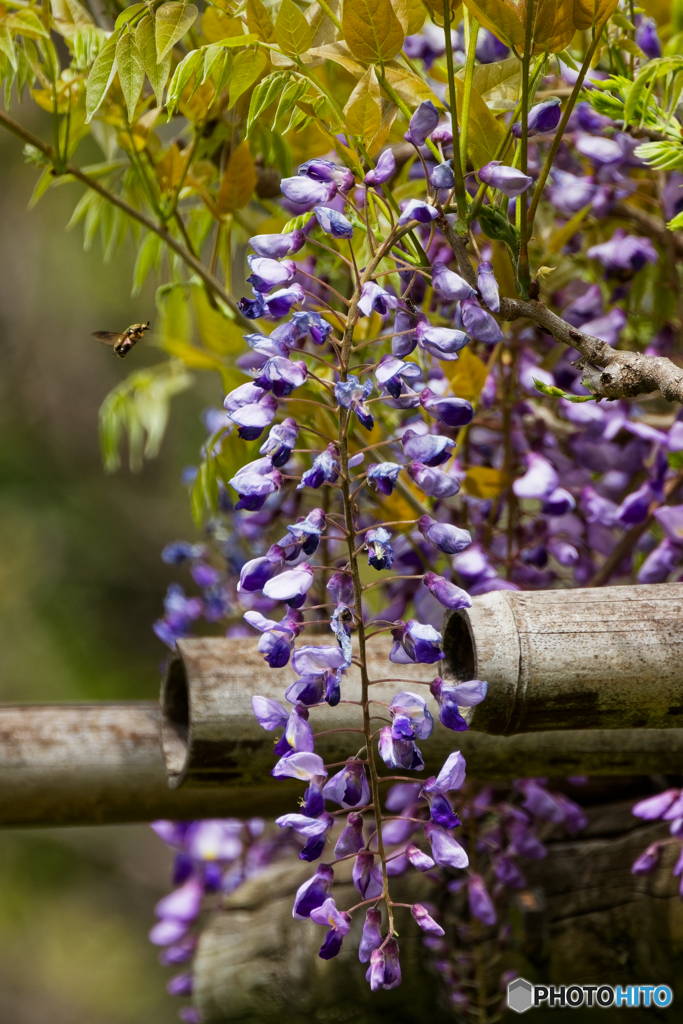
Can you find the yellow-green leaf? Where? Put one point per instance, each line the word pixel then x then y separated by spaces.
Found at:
pixel 100 77
pixel 27 23
pixel 246 68
pixel 172 22
pixel 408 87
pixel 258 21
pixel 131 71
pixel 7 45
pixel 157 71
pixel 498 84
pixel 292 32
pixel 217 332
pixel 484 482
pixel 467 375
pixel 364 108
pixel 372 30
pixel 238 181
pixel 485 132
pixel 417 12
pixel 128 13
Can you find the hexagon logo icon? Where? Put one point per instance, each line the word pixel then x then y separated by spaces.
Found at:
pixel 520 995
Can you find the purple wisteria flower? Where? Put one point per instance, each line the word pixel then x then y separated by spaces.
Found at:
pixel 446 592
pixel 410 717
pixel 453 412
pixel 569 193
pixel 267 274
pixel 382 476
pixel 399 753
pixel 444 536
pixel 391 372
pixel 318 660
pixel 278 638
pixel 623 252
pixel 429 449
pixel 479 323
pixel 647 39
pixel 351 394
pixel 450 285
pixel 488 286
pixel 415 642
pixel 349 787
pixel 311 323
pixel 351 839
pixel 371 939
pixel 333 223
pixel 275 247
pixel 481 904
pixel 425 920
pixel 374 298
pixel 434 482
pixel 379 549
pixel 290 586
pixel 543 117
pixel 179 613
pixel 442 177
pixel 281 376
pixel 307 192
pixel 313 893
pixel 308 530
pixel 422 123
pixel 416 209
pixel 339 924
pixel 441 342
pixel 508 180
pixel 280 442
pixel 446 851
pixel 325 468
pixel 254 483
pixel 451 698
pixel 539 481
pixel 256 573
pixel 304 766
pixel 384 169
pixel 320 169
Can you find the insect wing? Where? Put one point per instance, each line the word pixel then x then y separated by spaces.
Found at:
pixel 108 337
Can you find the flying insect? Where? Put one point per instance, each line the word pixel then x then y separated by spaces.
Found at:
pixel 122 343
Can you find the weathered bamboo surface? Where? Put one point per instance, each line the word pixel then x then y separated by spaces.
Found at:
pixel 94 764
pixel 593 922
pixel 573 659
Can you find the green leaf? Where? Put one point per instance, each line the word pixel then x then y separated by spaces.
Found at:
pixel 263 95
pixel 128 14
pixel 552 392
pixel 676 223
pixel 364 108
pixel 665 156
pixel 297 223
pixel 238 181
pixel 46 179
pixel 181 77
pixel 7 45
pixel 292 32
pixel 157 71
pixel 232 42
pixel 172 22
pixel 27 23
pixel 293 92
pixel 100 77
pixel 149 256
pixel 372 31
pixel 212 54
pixel 246 68
pixel 131 70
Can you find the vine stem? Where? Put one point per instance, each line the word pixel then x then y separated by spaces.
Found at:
pixel 523 272
pixel 460 193
pixel 349 518
pixel 467 96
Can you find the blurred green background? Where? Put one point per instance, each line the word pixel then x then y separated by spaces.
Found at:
pixel 81 584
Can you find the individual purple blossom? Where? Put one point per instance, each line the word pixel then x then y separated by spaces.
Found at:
pixel 367 876
pixel 180 985
pixel 266 346
pixel 420 860
pixel 168 930
pixel 280 442
pixel 391 371
pixel 254 482
pixel 282 375
pixel 255 574
pixel 290 586
pixel 310 322
pixel 340 586
pixel 214 839
pixel 417 209
pixel 385 969
pixel 268 274
pixel 635 506
pixel 399 753
pixel 325 468
pixel 308 827
pixel 280 302
pixel 245 394
pixel 179 612
pixel 371 938
pixel 351 839
pixel 539 802
pixel 442 176
pixel 269 713
pixel 442 342
pixel 481 904
pixel 275 247
pixel 298 733
pixel 558 503
pixel 479 323
pixel 543 117
pixel 349 787
pixel 429 449
pixel 451 697
pixel 404 327
pixel 434 482
pixel 524 842
pixel 488 286
pixel 601 151
pixel 447 593
pixel 309 530
pixel 451 776
pixel 444 536
pixel 410 716
pixel 379 549
pixel 647 39
pixel 375 299
pixel 181 551
pixel 382 476
pixel 441 811
pixel 313 893
pixel 446 851
pixel 509 180
pixel 351 394
pixel 339 924
pixel 425 920
pixel 384 169
pixel 539 481
pixel 305 191
pixel 655 807
pixel 623 252
pixel 180 952
pixel 660 562
pixel 415 642
pixel 453 412
pixel 311 660
pixel 647 861
pixel 299 765
pixel 670 518
pixel 422 123
pixel 450 285
pixel 320 169
pixel 333 222
pixel 569 193
pixel 253 419
pixel 507 872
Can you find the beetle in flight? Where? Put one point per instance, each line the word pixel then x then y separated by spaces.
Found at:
pixel 122 343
